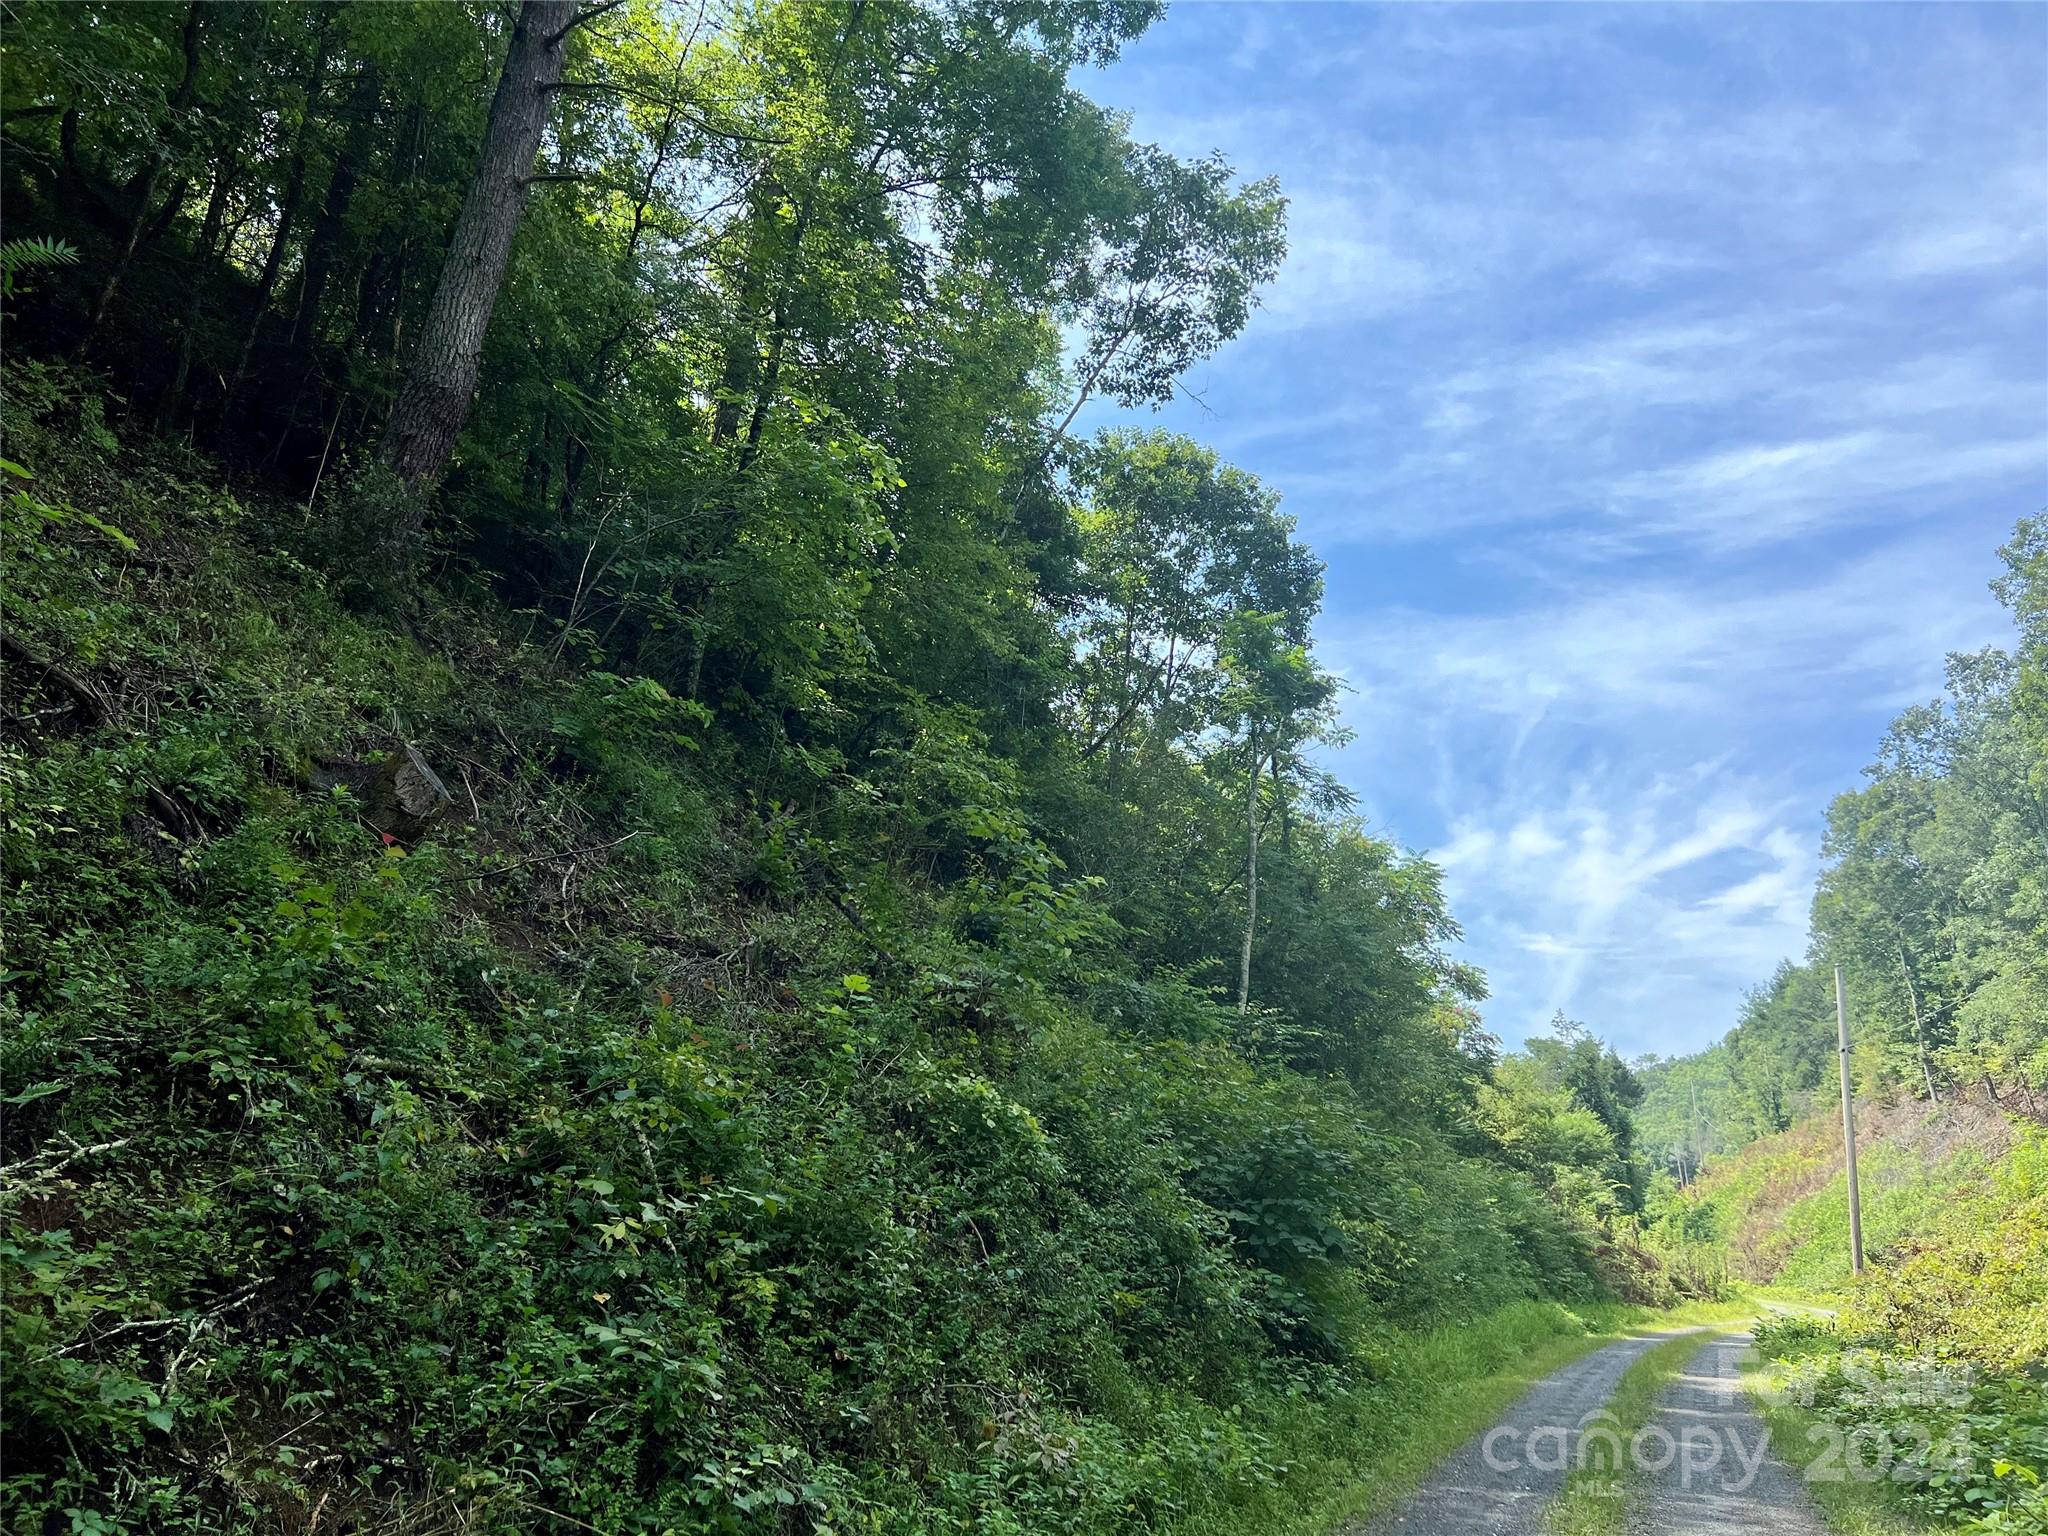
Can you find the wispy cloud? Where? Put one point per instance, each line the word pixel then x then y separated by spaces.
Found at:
pixel 1627 894
pixel 1657 382
pixel 1344 260
pixel 1624 771
pixel 1872 629
pixel 1766 493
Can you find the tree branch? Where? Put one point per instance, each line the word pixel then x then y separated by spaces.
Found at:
pixel 91 705
pixel 546 858
pixel 588 13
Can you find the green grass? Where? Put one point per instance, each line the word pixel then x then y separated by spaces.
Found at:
pixel 1595 1498
pixel 1779 1208
pixel 1452 1383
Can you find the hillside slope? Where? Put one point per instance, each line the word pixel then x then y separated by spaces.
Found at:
pixel 1928 1368
pixel 628 1149
pixel 1776 1210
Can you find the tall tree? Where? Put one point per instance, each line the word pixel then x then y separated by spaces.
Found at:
pixel 1274 696
pixel 441 377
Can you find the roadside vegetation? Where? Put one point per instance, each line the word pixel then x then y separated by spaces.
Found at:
pixel 587 1123
pixel 643 894
pixel 1897 1438
pixel 1915 1397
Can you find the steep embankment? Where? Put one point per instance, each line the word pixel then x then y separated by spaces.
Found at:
pixel 635 1149
pixel 1777 1211
pixel 1923 1377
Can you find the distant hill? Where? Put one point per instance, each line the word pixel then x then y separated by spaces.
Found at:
pixel 1955 1222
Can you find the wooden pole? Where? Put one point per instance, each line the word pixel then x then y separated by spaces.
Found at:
pixel 1849 1132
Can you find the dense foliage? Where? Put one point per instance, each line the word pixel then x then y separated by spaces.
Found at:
pixel 1951 1447
pixel 891 1029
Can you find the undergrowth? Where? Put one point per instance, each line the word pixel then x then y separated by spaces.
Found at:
pixel 629 1154
pixel 1892 1438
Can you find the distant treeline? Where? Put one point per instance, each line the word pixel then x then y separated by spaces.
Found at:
pixel 1934 901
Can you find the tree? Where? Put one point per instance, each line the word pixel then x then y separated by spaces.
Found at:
pixel 1273 697
pixel 1593 1079
pixel 1176 276
pixel 1175 543
pixel 440 380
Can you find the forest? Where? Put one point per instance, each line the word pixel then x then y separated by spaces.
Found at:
pixel 645 892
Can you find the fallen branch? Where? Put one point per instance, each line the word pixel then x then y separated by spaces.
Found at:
pixel 860 925
pixel 91 704
pixel 17 1185
pixel 138 1324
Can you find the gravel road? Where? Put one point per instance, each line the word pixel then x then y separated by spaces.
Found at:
pixel 1500 1483
pixel 1721 1480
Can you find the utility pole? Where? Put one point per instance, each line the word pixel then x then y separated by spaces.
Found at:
pixel 1849 1132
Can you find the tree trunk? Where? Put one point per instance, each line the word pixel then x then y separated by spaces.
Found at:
pixel 202 270
pixel 1919 1030
pixel 764 398
pixel 1251 883
pixel 287 216
pixel 440 381
pixel 332 224
pixel 380 305
pixel 145 184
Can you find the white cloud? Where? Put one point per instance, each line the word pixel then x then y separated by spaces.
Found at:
pixel 1948 249
pixel 1709 325
pixel 1632 882
pixel 1763 493
pixel 1718 436
pixel 1351 256
pixel 1531 838
pixel 1658 414
pixel 1620 768
pixel 1605 652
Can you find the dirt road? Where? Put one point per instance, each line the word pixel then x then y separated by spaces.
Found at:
pixel 1718 1478
pixel 1501 1482
pixel 1721 1479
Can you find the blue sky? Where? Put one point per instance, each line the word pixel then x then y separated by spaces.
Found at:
pixel 1658 383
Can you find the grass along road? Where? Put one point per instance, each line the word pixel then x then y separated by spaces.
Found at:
pixel 1852 1506
pixel 1649 1434
pixel 1500 1482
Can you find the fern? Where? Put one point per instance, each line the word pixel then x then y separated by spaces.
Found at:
pixel 36 251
